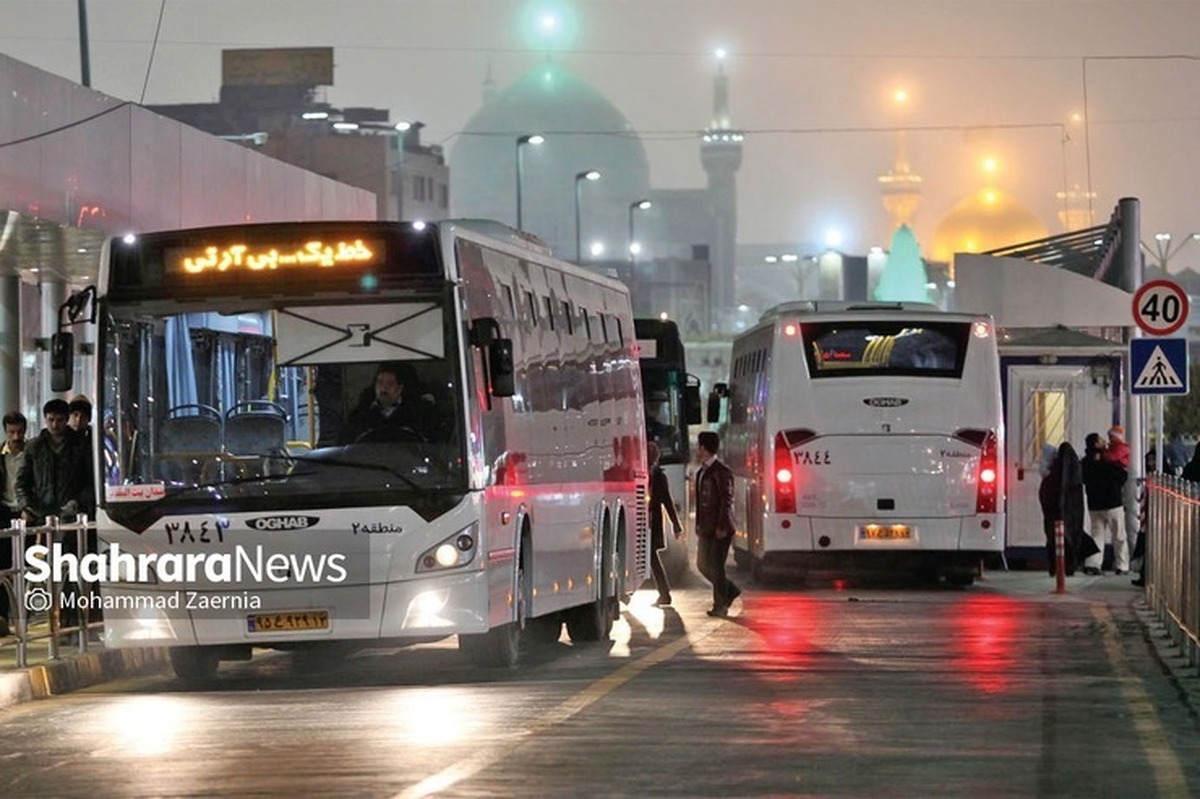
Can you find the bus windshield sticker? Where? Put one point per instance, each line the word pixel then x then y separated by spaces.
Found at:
pixel 338 334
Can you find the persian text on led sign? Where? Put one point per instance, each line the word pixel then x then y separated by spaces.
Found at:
pixel 316 254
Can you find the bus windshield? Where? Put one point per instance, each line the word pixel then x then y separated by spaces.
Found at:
pixel 305 404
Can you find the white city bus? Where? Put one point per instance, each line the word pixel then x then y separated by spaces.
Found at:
pixel 672 404
pixel 233 358
pixel 866 438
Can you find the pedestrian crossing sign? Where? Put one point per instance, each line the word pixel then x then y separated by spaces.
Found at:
pixel 1158 365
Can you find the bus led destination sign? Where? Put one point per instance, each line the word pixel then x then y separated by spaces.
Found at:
pixel 243 257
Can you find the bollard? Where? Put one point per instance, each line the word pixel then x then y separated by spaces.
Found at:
pixel 22 630
pixel 1060 558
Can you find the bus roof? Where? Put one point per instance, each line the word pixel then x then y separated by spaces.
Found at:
pixel 841 306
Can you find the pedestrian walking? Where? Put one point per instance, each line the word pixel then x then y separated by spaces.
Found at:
pixel 714 522
pixel 661 503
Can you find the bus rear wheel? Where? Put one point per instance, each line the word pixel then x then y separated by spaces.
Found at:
pixel 194 664
pixel 593 621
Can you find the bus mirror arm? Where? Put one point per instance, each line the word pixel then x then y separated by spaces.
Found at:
pixel 79 308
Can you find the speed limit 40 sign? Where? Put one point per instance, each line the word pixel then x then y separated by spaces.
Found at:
pixel 1160 307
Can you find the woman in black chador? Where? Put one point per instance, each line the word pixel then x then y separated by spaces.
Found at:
pixel 1061 497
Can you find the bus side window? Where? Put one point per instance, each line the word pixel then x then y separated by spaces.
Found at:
pixel 509 302
pixel 533 314
pixel 566 312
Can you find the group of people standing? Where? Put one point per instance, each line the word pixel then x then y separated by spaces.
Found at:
pixel 1100 476
pixel 49 475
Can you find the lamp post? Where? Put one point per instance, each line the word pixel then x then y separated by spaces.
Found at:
pixel 530 138
pixel 636 205
pixel 580 177
pixel 1164 251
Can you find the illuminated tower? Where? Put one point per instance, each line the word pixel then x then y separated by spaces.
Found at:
pixel 721 154
pixel 900 186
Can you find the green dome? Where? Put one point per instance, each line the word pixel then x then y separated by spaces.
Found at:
pixel 583 131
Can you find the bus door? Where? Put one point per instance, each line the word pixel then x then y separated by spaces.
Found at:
pixel 1047 404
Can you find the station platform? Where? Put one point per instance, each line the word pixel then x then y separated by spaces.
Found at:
pixel 44 676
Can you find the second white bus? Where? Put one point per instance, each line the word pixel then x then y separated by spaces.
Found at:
pixel 867 438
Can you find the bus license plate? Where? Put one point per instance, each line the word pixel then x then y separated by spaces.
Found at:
pixel 288 621
pixel 885 532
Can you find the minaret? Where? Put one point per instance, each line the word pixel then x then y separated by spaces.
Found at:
pixel 721 154
pixel 900 186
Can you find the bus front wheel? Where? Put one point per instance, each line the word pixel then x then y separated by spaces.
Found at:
pixel 194 664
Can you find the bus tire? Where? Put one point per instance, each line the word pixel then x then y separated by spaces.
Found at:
pixel 195 664
pixel 500 647
pixel 593 621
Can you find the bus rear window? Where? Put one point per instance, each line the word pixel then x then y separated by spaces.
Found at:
pixel 885 347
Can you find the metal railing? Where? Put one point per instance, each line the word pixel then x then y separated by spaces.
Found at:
pixel 1172 567
pixel 31 604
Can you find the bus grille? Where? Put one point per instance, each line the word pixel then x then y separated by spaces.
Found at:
pixel 641 524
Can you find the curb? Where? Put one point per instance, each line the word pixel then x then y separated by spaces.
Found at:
pixel 64 676
pixel 1184 675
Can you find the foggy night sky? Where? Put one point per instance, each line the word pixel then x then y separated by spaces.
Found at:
pixel 811 84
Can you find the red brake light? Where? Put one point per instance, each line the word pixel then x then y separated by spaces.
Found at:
pixel 785 487
pixel 988 493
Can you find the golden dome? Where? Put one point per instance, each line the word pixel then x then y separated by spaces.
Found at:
pixel 983 221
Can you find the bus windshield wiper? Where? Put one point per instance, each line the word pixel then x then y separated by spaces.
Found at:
pixel 353 464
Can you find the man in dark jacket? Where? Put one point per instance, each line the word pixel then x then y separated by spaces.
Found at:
pixel 56 479
pixel 714 522
pixel 1104 479
pixel 660 502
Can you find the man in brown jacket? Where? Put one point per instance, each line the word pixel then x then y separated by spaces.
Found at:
pixel 714 522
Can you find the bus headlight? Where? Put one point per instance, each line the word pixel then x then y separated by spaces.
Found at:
pixel 451 553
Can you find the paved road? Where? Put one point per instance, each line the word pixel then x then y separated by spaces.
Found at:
pixel 999 690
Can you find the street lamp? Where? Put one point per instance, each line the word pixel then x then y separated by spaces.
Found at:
pixel 530 138
pixel 636 205
pixel 580 177
pixel 1163 251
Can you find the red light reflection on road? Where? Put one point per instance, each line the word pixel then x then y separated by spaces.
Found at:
pixel 985 636
pixel 787 628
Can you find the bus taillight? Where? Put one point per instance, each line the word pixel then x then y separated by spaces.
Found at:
pixel 985 498
pixel 785 484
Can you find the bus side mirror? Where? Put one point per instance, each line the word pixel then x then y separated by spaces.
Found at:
pixel 720 391
pixel 691 403
pixel 62 361
pixel 500 367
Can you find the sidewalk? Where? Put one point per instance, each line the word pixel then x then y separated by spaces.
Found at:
pixel 72 670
